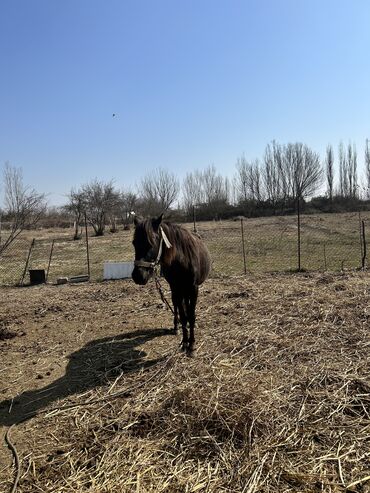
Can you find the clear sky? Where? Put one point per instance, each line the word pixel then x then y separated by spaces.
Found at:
pixel 192 83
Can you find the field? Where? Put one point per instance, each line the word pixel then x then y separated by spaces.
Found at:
pixel 329 242
pixel 276 399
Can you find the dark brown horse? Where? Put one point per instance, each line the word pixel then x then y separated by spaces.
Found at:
pixel 185 264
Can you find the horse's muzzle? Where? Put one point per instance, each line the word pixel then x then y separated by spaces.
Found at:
pixel 141 275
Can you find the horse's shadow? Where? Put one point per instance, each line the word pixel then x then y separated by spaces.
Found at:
pixel 95 364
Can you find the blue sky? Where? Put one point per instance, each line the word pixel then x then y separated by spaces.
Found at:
pixel 192 83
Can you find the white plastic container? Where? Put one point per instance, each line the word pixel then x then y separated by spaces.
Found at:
pixel 118 270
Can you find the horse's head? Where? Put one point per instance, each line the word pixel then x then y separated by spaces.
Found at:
pixel 147 244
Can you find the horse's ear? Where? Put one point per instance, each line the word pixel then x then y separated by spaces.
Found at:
pixel 136 221
pixel 156 222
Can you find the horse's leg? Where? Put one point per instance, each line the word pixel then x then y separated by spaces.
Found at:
pixel 175 312
pixel 183 320
pixel 192 303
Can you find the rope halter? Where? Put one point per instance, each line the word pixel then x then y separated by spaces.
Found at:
pixel 152 264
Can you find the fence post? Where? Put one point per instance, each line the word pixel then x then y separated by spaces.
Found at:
pixel 363 260
pixel 51 253
pixel 360 232
pixel 27 261
pixel 299 233
pixel 243 246
pixel 87 248
pixel 195 228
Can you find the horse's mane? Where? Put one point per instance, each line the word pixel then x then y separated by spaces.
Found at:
pixel 185 246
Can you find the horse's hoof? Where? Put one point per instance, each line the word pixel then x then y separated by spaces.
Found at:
pixel 190 349
pixel 190 353
pixel 183 346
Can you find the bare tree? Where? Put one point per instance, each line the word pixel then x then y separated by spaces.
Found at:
pixel 76 206
pixel 192 190
pixel 158 189
pixel 100 200
pixel 23 206
pixel 126 206
pixel 215 191
pixel 352 170
pixel 343 172
pixel 271 174
pixel 348 185
pixel 329 164
pixel 367 168
pixel 248 180
pixel 206 189
pixel 286 163
pixel 215 187
pixel 290 172
pixel 255 181
pixel 241 179
pixel 307 171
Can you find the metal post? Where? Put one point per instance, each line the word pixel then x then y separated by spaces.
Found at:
pixel 51 253
pixel 243 246
pixel 87 248
pixel 363 246
pixel 325 262
pixel 27 261
pixel 360 231
pixel 299 233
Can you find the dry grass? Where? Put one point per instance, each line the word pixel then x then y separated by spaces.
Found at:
pixel 277 398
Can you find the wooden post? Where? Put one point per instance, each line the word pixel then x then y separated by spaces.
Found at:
pixel 87 248
pixel 243 246
pixel 195 228
pixel 27 261
pixel 51 253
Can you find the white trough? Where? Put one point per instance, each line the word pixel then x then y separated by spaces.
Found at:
pixel 118 270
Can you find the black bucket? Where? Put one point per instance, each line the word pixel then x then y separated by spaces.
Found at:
pixel 37 276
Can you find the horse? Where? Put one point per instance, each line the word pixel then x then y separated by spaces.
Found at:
pixel 185 264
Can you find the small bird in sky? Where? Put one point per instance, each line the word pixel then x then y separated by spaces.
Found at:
pixel 113 115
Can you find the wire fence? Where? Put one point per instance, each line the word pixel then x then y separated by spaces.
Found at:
pixel 326 242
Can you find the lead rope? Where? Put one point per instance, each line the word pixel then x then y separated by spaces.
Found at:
pixel 17 464
pixel 160 290
pixel 156 277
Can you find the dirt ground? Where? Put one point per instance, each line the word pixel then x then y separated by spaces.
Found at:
pixel 295 346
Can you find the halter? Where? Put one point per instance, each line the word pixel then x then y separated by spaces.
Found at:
pixel 151 265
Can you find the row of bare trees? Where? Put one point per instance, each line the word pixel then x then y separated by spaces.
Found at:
pixel 348 184
pixel 207 188
pixel 348 177
pixel 287 173
pixel 284 176
pixel 294 170
pixel 101 203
